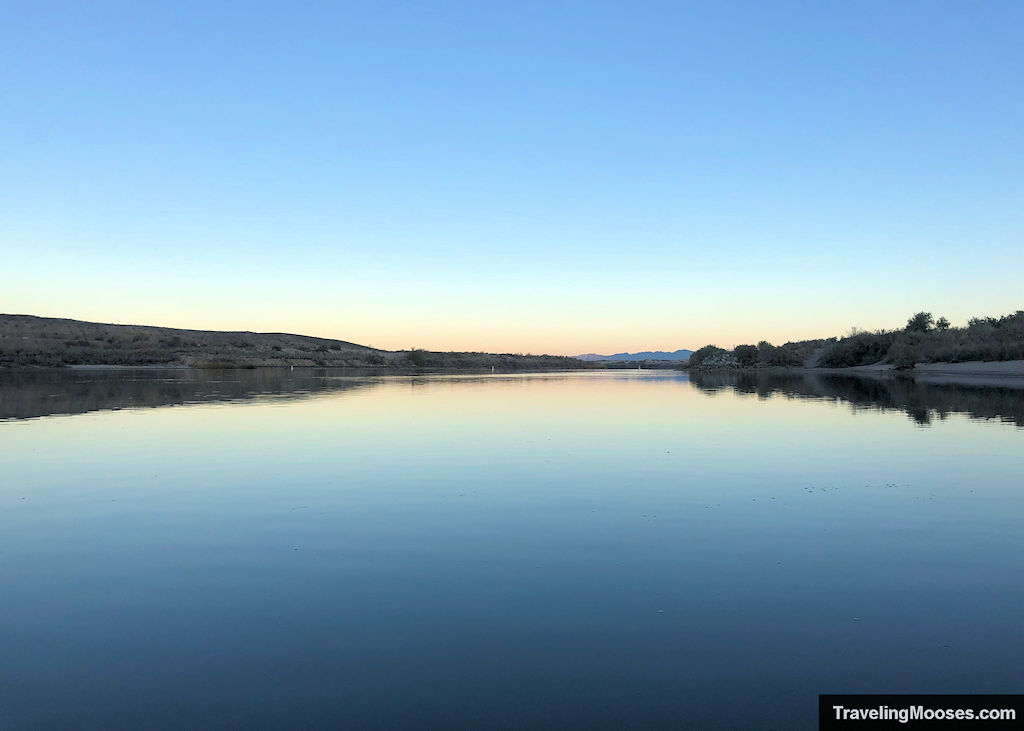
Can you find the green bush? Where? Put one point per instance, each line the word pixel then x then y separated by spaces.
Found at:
pixel 987 338
pixel 860 349
pixel 702 354
pixel 417 357
pixel 920 323
pixel 746 355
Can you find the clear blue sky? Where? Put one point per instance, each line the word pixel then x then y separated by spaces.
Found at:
pixel 553 176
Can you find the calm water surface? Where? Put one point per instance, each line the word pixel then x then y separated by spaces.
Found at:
pixel 599 550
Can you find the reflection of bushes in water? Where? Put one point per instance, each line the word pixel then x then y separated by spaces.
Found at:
pixel 921 401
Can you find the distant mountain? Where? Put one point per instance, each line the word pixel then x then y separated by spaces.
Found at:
pixel 645 355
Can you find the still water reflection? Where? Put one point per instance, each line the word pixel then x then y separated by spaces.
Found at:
pixel 600 549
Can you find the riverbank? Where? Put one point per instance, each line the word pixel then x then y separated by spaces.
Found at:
pixel 29 341
pixel 1008 373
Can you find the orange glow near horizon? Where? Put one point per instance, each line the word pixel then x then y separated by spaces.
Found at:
pixel 560 322
pixel 603 332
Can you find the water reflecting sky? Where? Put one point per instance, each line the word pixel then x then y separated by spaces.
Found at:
pixel 596 549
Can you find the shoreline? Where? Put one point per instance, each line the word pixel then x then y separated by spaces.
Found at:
pixel 984 369
pixel 1008 373
pixel 981 373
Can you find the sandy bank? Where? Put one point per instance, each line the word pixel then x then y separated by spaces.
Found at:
pixel 974 368
pixel 981 373
pixel 1001 368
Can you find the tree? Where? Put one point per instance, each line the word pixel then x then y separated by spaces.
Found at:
pixel 905 354
pixel 942 324
pixel 920 323
pixel 746 355
pixel 417 356
pixel 706 352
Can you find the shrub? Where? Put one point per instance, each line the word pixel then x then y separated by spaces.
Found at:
pixel 417 357
pixel 920 322
pixel 905 353
pixel 746 355
pixel 704 353
pixel 860 349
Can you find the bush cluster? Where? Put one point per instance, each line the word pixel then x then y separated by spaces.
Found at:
pixel 923 340
pixel 762 355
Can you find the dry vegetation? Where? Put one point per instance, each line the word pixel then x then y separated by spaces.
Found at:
pixel 28 341
pixel 923 340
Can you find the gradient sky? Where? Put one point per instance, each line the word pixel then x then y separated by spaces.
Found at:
pixel 555 177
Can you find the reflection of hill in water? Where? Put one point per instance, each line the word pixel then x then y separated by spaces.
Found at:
pixel 28 394
pixel 921 401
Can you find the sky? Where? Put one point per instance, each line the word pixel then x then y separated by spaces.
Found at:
pixel 559 177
